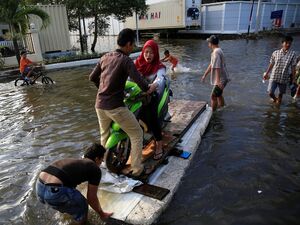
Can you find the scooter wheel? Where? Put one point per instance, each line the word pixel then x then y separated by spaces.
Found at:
pixel 117 156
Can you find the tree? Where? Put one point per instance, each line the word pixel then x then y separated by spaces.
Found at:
pixel 77 10
pixel 124 8
pixel 16 14
pixel 100 9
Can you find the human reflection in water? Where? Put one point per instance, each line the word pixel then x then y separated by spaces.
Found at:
pixel 280 122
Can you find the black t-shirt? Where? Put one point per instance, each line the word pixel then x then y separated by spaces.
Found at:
pixel 75 171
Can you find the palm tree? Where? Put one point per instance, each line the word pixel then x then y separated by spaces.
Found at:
pixel 16 14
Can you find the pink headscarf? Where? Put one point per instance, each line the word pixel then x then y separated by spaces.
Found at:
pixel 143 66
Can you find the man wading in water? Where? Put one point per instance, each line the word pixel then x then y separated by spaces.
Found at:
pixel 280 64
pixel 218 71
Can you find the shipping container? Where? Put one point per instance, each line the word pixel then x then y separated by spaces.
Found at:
pixel 170 14
pixel 55 37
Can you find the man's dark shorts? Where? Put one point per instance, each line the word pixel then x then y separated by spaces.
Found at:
pixel 273 85
pixel 63 199
pixel 216 91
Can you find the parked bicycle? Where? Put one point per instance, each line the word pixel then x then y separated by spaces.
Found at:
pixel 37 73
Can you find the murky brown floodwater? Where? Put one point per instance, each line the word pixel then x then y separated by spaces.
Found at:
pixel 246 170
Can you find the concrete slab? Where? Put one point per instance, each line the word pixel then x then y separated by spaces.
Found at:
pixel 134 208
pixel 182 112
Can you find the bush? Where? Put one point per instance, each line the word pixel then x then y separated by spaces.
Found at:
pixel 71 58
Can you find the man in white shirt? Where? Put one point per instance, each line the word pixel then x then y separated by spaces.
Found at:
pixel 218 71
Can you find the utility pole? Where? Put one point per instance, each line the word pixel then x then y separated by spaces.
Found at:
pixel 137 28
pixel 258 16
pixel 250 17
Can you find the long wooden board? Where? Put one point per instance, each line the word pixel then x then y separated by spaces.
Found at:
pixel 183 114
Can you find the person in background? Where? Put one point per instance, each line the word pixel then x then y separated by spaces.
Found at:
pixel 218 73
pixel 297 95
pixel 110 76
pixel 281 63
pixel 149 65
pixel 56 185
pixel 170 58
pixel 26 66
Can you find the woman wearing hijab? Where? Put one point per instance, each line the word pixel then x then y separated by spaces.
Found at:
pixel 149 65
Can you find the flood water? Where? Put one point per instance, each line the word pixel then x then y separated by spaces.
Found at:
pixel 246 170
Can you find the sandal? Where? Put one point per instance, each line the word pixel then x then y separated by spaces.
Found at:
pixel 158 156
pixel 143 176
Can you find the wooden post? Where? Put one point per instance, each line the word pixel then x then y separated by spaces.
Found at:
pixel 250 17
pixel 258 16
pixel 137 29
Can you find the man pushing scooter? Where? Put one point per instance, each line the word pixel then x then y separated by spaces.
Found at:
pixel 110 75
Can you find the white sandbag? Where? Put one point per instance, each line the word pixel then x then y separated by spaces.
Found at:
pixel 117 184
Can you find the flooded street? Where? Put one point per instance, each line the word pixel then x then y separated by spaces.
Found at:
pixel 246 170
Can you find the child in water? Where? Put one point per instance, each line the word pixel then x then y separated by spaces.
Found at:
pixel 171 59
pixel 26 66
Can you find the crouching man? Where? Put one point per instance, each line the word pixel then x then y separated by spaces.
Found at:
pixel 56 185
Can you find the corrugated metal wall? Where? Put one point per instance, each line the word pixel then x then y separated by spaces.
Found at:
pixel 233 17
pixel 56 36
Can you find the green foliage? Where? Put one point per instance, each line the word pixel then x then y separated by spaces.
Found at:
pixel 103 8
pixel 97 9
pixel 124 8
pixel 16 14
pixel 102 24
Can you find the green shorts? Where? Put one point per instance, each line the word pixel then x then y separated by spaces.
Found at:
pixel 216 91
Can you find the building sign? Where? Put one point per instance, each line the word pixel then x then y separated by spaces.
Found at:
pixel 276 14
pixel 150 16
